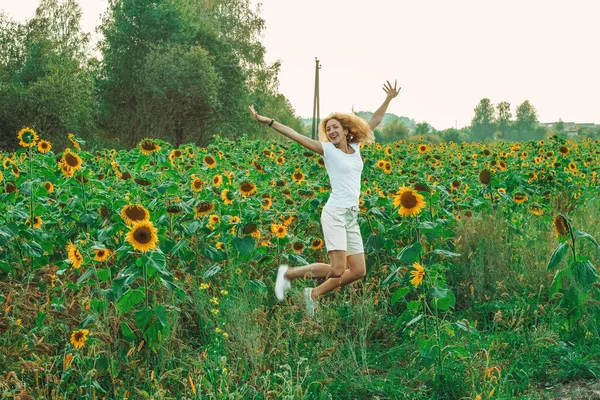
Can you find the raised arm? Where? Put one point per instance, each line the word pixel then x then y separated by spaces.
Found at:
pixel 305 141
pixel 390 94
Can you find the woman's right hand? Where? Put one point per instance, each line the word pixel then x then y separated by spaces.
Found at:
pixel 259 118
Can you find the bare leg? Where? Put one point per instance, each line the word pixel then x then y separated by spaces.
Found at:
pixel 357 271
pixel 321 270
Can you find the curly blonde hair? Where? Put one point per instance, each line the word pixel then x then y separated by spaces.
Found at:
pixel 358 129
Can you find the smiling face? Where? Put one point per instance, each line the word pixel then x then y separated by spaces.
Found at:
pixel 336 132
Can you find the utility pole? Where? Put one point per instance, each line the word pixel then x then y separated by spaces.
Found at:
pixel 316 113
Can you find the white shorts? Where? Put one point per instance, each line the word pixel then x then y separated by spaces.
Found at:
pixel 341 230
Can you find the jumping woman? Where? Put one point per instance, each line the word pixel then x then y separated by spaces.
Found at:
pixel 340 136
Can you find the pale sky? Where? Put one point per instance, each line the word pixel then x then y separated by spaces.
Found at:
pixel 446 55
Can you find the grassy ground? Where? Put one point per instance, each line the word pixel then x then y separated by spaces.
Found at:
pixel 251 347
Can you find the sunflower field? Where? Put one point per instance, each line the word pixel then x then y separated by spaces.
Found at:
pixel 149 273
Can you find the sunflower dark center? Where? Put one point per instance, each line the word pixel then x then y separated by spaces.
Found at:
pixel 247 187
pixel 78 336
pixel 71 160
pixel 209 160
pixel 197 184
pixel 142 235
pixel 135 213
pixel 149 146
pixel 408 200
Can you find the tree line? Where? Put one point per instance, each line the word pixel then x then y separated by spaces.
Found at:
pixel 178 70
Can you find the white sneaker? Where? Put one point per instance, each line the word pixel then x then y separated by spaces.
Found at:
pixel 282 284
pixel 311 304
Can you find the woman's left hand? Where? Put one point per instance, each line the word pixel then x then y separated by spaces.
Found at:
pixel 391 91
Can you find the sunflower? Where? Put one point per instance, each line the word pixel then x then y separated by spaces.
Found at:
pixel 142 236
pixel 248 189
pixel 572 166
pixel 73 141
pixel 148 146
pixel 267 203
pixel 418 273
pixel 387 167
pixel 380 164
pixel 561 226
pixel 410 202
pixel 280 160
pixel 234 219
pixel 209 161
pixel 6 162
pixel 16 172
pixel 134 213
pixel 217 180
pixel 317 244
pixel 49 187
pixel 520 198
pixel 502 165
pixel 204 208
pixel 74 255
pixel 226 196
pixel 196 184
pixel 423 149
pixel 502 190
pixel 10 187
pixel 536 210
pixel 72 160
pixel 485 177
pixel 298 177
pixel 388 151
pixel 27 137
pixel 214 219
pixel 279 230
pixel 79 337
pixel 37 222
pixel 564 150
pixel 298 247
pixel 44 146
pixel 102 254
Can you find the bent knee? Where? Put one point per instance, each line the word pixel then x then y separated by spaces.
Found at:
pixel 337 270
pixel 360 273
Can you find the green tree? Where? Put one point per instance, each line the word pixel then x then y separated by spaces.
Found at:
pixel 422 128
pixel 451 135
pixel 526 122
pixel 559 127
pixel 483 124
pixel 45 81
pixel 504 120
pixel 392 132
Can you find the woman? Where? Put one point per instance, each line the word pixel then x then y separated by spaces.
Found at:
pixel 340 136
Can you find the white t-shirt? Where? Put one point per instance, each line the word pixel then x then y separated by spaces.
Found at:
pixel 344 172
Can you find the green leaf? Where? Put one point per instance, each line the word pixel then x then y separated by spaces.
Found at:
pixel 373 243
pixel 130 300
pixel 212 271
pixel 212 254
pixel 446 253
pixel 414 320
pixel 391 277
pixel 33 249
pixel 40 318
pixel 410 253
pixel 244 245
pixel 430 356
pixel 85 276
pixel 443 298
pixel 128 334
pixel 399 294
pixel 584 272
pixel 180 245
pixel 142 317
pixel 588 237
pixel 557 256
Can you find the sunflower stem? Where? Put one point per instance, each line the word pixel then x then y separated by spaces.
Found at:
pixel 31 217
pixel 572 239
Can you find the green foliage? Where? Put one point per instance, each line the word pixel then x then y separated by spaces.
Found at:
pixel 392 132
pixel 483 124
pixel 45 82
